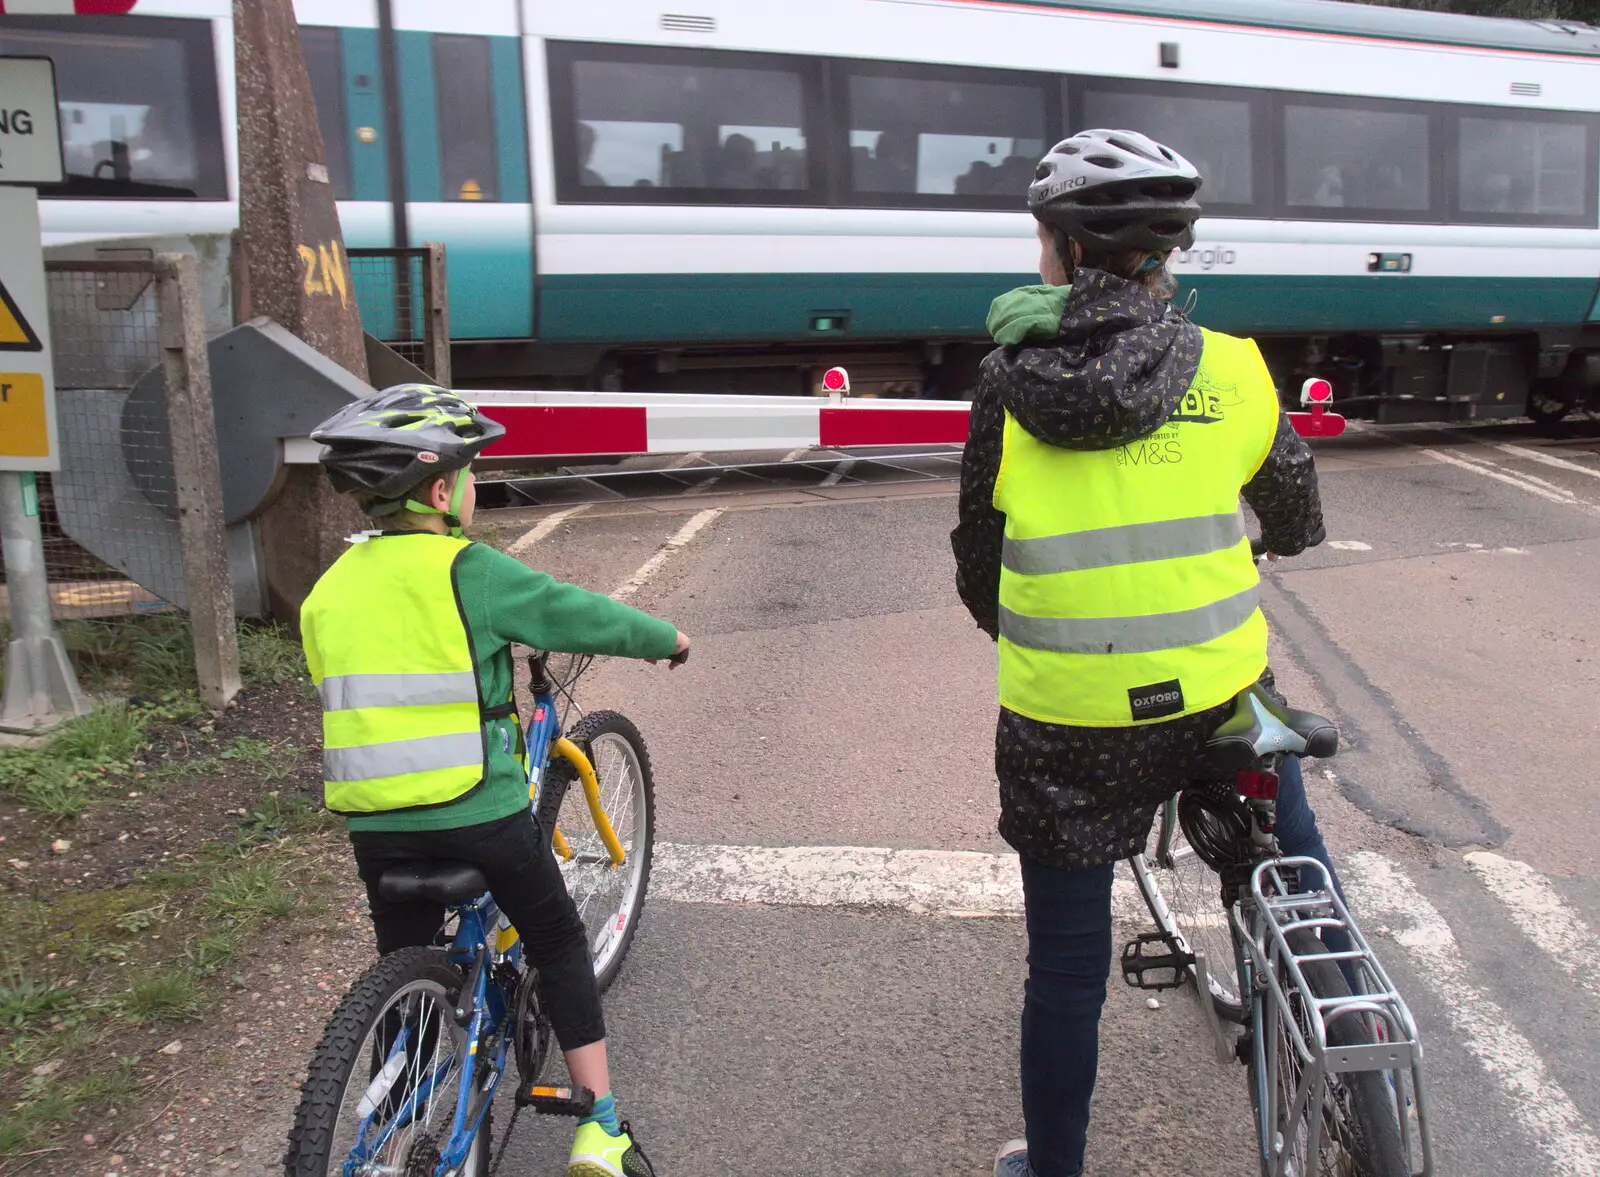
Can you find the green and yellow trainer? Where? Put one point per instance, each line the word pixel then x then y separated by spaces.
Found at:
pixel 597 1153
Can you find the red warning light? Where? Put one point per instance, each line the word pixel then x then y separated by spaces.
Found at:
pixel 1316 392
pixel 836 380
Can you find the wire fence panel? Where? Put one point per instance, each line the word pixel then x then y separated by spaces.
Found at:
pixel 107 504
pixel 401 294
pixel 108 517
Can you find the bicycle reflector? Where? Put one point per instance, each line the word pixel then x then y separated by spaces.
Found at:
pixel 1258 786
pixel 836 380
pixel 1316 393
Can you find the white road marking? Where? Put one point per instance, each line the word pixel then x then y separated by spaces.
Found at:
pixel 700 488
pixel 1349 545
pixel 683 460
pixel 1382 894
pixel 797 453
pixel 1490 470
pixel 664 553
pixel 543 528
pixel 1538 910
pixel 1518 451
pixel 1481 550
pixel 839 472
pixel 948 882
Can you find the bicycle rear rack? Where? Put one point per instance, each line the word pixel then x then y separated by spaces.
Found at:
pixel 1313 905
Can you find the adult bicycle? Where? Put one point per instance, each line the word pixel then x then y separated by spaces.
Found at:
pixel 1334 1059
pixel 404 1078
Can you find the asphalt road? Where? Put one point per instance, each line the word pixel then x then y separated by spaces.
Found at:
pixel 840 697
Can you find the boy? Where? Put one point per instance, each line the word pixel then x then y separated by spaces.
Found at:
pixel 408 640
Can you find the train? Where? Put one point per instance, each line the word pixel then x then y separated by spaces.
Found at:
pixel 735 195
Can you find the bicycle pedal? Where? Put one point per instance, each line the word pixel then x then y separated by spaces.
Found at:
pixel 556 1101
pixel 1142 969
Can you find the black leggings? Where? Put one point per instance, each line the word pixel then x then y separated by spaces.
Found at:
pixel 526 883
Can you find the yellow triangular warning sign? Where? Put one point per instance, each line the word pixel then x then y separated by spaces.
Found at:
pixel 471 191
pixel 16 334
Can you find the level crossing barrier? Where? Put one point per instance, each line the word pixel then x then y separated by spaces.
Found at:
pixel 614 424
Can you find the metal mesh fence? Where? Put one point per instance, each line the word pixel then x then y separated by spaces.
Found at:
pixel 400 293
pixel 114 494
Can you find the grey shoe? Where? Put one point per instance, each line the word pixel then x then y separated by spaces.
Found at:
pixel 1012 1160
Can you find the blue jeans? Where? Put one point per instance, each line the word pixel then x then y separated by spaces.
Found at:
pixel 1068 914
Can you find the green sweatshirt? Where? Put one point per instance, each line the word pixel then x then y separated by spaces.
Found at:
pixel 1028 314
pixel 504 601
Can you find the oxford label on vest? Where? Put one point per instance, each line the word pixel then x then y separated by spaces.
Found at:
pixel 1156 700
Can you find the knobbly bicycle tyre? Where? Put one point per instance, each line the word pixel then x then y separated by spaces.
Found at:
pixel 600 735
pixel 339 1055
pixel 1370 1106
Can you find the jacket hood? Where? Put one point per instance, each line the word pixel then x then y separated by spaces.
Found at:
pixel 1117 367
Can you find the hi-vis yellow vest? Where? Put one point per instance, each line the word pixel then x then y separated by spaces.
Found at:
pixel 386 642
pixel 1127 589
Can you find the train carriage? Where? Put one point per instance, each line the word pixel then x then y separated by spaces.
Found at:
pixel 737 195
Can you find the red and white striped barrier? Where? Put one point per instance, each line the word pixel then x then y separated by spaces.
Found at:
pixel 544 424
pixel 66 7
pixel 589 424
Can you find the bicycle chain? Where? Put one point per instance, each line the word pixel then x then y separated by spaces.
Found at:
pixel 505 1139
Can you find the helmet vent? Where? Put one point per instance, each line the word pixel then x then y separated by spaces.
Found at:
pixel 1103 161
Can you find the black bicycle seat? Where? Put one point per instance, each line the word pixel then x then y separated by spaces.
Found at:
pixel 1259 726
pixel 440 882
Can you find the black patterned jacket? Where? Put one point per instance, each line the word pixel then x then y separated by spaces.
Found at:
pixel 1078 797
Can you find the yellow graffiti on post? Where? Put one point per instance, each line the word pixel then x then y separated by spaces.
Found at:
pixel 338 273
pixel 326 271
pixel 313 284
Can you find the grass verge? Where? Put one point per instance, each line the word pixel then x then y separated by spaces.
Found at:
pixel 90 979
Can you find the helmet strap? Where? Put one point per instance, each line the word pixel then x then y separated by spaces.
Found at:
pixel 452 514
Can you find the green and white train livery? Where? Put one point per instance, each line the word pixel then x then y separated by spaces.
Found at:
pixel 737 195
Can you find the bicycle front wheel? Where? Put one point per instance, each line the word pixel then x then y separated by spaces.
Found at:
pixel 383 1086
pixel 1184 896
pixel 1360 1132
pixel 609 898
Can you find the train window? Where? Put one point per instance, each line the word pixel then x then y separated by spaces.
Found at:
pixel 138 99
pixel 1356 157
pixel 945 138
pixel 466 118
pixel 1520 169
pixel 679 126
pixel 1214 133
pixel 321 48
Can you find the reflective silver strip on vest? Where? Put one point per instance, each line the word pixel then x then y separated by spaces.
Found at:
pixel 366 761
pixel 1129 635
pixel 1106 547
pixel 347 692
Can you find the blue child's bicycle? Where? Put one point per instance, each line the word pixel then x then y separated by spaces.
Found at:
pixel 408 1066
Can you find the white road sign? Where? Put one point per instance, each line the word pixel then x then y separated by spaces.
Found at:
pixel 30 129
pixel 27 384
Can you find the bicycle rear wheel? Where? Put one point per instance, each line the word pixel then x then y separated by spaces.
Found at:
pixel 392 1051
pixel 610 899
pixel 1360 1129
pixel 1184 896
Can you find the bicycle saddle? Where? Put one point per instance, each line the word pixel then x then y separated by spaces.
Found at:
pixel 1259 726
pixel 441 882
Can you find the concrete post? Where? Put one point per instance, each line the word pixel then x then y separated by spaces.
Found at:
pixel 192 425
pixel 294 270
pixel 41 689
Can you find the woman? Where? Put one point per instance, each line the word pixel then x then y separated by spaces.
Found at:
pixel 1101 544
